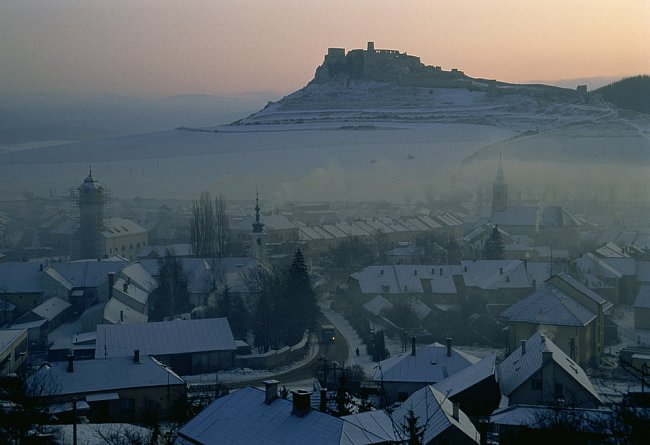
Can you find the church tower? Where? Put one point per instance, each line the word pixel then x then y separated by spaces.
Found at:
pixel 258 241
pixel 91 204
pixel 499 190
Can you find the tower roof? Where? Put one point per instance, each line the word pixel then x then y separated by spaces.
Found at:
pixel 258 226
pixel 90 183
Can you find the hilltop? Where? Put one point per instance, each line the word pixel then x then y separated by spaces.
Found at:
pixel 379 85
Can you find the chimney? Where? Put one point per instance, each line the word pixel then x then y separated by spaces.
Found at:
pixel 125 287
pixel 448 346
pixel 441 271
pixel 111 282
pixel 121 316
pixel 323 400
pixel 301 402
pixel 70 363
pixel 271 391
pixel 464 268
pixel 546 356
pixel 526 264
pixel 136 356
pixel 415 272
pixel 413 346
pixel 534 284
pixel 500 270
pixel 523 347
pixel 456 409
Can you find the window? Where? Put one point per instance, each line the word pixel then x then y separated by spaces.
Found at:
pixel 537 384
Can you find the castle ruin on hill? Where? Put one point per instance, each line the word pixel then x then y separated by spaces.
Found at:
pixel 388 65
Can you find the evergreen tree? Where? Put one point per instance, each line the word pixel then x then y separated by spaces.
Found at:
pixel 493 249
pixel 171 297
pixel 414 431
pixel 300 300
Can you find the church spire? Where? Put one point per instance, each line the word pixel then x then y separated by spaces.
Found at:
pixel 258 226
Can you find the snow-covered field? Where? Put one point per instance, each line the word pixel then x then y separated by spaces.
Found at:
pixel 363 141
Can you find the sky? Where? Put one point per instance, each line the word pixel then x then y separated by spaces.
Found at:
pixel 225 47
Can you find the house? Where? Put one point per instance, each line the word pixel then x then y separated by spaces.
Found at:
pixel 114 389
pixel 430 283
pixel 641 308
pixel 21 284
pixel 129 295
pixel 523 423
pixel 83 283
pixel 187 346
pixel 43 319
pixel 568 312
pixel 497 281
pixel 540 373
pixel 13 350
pixel 611 265
pixel 474 388
pixel 439 420
pixel 250 415
pixel 400 376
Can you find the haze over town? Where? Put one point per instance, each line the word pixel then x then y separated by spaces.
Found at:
pixel 337 222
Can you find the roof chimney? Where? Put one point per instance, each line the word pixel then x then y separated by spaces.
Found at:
pixel 523 347
pixel 136 356
pixel 534 284
pixel 70 363
pixel 301 402
pixel 121 316
pixel 500 270
pixel 413 346
pixel 546 356
pixel 125 287
pixel 111 283
pixel 448 346
pixel 441 271
pixel 271 391
pixel 456 409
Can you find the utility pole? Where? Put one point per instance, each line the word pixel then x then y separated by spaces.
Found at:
pixel 74 421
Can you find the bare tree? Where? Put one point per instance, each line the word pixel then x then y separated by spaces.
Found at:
pixel 222 226
pixel 209 228
pixel 203 227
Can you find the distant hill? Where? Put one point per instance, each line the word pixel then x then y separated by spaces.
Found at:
pixel 632 93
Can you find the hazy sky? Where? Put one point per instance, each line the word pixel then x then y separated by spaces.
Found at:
pixel 228 47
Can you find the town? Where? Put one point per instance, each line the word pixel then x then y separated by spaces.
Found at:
pixel 216 321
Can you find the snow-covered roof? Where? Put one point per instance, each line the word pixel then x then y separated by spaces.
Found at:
pixel 534 216
pixel 468 377
pixel 164 337
pixel 517 368
pixel 495 274
pixel 51 308
pixel 435 411
pixel 161 251
pixel 18 278
pixel 430 364
pixel 138 276
pixel 243 417
pixel 549 305
pixel 530 416
pixel 93 376
pixel 118 312
pixel 8 336
pixel 407 278
pixel 643 271
pixel 377 305
pixel 85 273
pixel 116 227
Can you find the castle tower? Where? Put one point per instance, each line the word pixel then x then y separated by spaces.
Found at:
pixel 499 190
pixel 91 202
pixel 258 241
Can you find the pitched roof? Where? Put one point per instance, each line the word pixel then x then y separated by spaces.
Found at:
pixel 406 278
pixel 517 368
pixel 164 337
pixel 377 304
pixel 530 415
pixel 91 376
pixel 430 364
pixel 50 308
pixel 85 273
pixel 17 278
pixel 549 305
pixel 435 411
pixel 495 274
pixel 116 227
pixel 468 377
pixel 243 417
pixel 534 216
